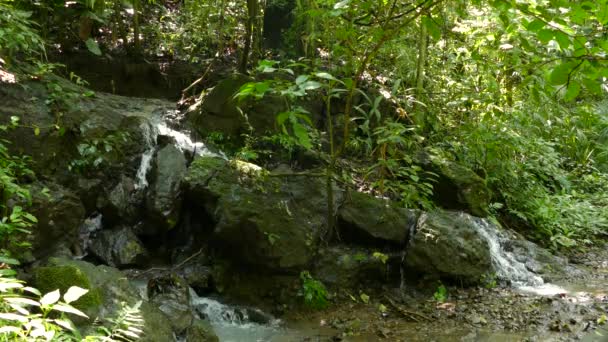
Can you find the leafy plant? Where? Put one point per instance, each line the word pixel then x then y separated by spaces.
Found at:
pixel 441 294
pixel 26 315
pixel 95 152
pixel 313 291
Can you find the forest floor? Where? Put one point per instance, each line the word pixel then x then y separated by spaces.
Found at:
pixel 573 308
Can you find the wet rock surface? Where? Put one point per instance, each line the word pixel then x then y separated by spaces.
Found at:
pixel 449 244
pixel 119 247
pixel 270 222
pixel 368 220
pixel 486 313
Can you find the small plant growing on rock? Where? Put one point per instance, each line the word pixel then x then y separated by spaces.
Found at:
pixel 441 294
pixel 313 291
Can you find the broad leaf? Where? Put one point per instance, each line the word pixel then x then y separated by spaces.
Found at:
pixel 74 293
pixel 50 298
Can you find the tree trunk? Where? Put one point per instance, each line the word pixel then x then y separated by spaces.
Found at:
pixel 422 52
pixel 251 6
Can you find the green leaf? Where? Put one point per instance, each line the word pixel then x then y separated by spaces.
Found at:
pixel 8 261
pixel 364 298
pixel 562 39
pixel 310 85
pixel 50 298
pixel 325 76
pixel 301 79
pixel 602 13
pixel 341 4
pixel 36 131
pixel 301 135
pixel 574 88
pixel 545 35
pixel 69 309
pixel 536 25
pixel 74 293
pixel 93 47
pixel 560 74
pixel 433 29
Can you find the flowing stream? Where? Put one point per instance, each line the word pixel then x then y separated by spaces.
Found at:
pixel 182 140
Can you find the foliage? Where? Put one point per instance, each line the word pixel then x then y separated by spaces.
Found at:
pixel 25 315
pixel 313 291
pixel 17 33
pixel 94 153
pixel 15 221
pixel 441 294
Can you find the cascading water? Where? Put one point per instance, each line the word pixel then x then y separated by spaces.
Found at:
pixel 506 265
pixel 236 324
pixel 150 133
pixel 158 127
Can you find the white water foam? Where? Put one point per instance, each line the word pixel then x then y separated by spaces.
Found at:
pixel 150 134
pixel 508 268
pixel 182 141
pixel 185 143
pixel 233 324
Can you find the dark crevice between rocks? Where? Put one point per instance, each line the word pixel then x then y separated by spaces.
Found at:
pixel 409 240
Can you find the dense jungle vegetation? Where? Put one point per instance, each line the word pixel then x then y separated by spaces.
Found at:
pixel 512 90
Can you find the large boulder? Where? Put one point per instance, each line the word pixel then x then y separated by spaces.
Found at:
pixel 60 214
pixel 118 247
pixel 271 222
pixel 350 267
pixel 112 124
pixel 220 112
pixel 367 220
pixel 110 291
pixel 164 201
pixel 457 187
pixel 449 244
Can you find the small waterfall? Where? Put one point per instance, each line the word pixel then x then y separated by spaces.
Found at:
pixel 182 140
pixel 236 324
pixel 150 134
pixel 505 264
pixel 185 143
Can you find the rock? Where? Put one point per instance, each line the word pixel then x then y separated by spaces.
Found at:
pixel 457 187
pixel 86 120
pixel 118 247
pixel 221 112
pixel 110 291
pixel 197 276
pixel 172 296
pixel 60 214
pixel 164 201
pixel 349 267
pixel 117 205
pixel 270 222
pixel 201 331
pixel 448 244
pixel 218 111
pixel 368 220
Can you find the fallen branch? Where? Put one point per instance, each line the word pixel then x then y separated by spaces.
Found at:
pixel 414 316
pixel 174 267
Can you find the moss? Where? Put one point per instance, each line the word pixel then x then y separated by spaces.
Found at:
pixel 51 278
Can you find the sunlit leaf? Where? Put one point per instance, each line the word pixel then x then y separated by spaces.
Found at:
pixel 74 293
pixel 93 47
pixel 69 309
pixel 50 298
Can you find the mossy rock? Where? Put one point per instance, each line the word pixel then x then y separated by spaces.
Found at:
pixel 63 277
pixel 109 291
